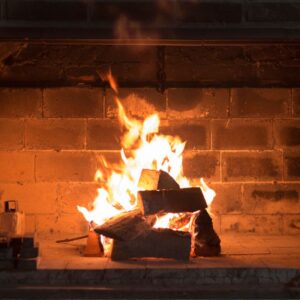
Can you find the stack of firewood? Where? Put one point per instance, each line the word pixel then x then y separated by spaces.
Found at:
pixel 132 232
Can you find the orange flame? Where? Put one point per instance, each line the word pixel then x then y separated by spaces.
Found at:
pixel 148 150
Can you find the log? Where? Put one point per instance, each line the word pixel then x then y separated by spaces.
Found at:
pixel 171 201
pixel 206 241
pixel 156 180
pixel 159 243
pixel 125 226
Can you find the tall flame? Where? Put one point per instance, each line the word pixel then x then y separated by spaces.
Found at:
pixel 148 150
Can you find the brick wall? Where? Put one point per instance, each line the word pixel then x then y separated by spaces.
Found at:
pixel 244 141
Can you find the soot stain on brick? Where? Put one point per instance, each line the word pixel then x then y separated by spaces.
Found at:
pixel 290 136
pixel 276 196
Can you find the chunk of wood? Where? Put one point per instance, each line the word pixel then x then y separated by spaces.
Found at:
pixel 12 223
pixel 206 241
pixel 94 247
pixel 28 264
pixel 29 252
pixel 125 226
pixel 159 243
pixel 171 201
pixel 157 180
pixel 28 241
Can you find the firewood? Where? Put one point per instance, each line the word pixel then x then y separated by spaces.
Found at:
pixel 159 243
pixel 12 223
pixel 174 201
pixel 125 226
pixel 156 180
pixel 206 241
pixel 29 252
pixel 94 247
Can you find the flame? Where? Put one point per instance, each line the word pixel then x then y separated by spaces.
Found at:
pixel 147 150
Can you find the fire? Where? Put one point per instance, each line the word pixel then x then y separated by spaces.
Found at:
pixel 148 150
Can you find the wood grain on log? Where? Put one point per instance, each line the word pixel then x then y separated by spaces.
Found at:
pixel 171 201
pixel 159 243
pixel 125 226
pixel 156 180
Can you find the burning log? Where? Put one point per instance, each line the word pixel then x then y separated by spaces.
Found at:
pixel 173 201
pixel 125 226
pixel 157 180
pixel 206 240
pixel 160 243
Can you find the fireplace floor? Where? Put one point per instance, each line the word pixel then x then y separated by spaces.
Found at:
pixel 257 265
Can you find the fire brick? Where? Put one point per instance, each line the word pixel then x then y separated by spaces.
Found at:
pixel 261 102
pixel 65 166
pixel 103 135
pixel 46 10
pixel 16 166
pixel 193 103
pixel 291 224
pixel 271 198
pixel 33 198
pixel 61 134
pixel 11 134
pixel 287 133
pixel 252 166
pixel 296 102
pixel 138 102
pixel 292 165
pixel 196 134
pixel 70 195
pixel 256 224
pixel 204 164
pixel 20 103
pixel 263 11
pixel 228 198
pixel 73 102
pixel 241 134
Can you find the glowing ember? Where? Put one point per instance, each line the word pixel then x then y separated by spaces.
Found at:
pixel 148 150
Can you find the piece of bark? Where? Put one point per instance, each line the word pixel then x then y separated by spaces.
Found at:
pixel 125 226
pixel 159 243
pixel 206 241
pixel 171 201
pixel 156 180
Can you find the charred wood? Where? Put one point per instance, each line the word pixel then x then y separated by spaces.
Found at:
pixel 125 226
pixel 156 180
pixel 206 241
pixel 171 201
pixel 159 243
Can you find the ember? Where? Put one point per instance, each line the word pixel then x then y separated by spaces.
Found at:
pixel 149 183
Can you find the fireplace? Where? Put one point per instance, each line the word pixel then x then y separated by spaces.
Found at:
pixel 224 77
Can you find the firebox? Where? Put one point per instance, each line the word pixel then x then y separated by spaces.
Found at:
pixel 150 144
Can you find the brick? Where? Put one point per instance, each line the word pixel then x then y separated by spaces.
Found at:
pixel 255 224
pixel 193 103
pixel 204 164
pixel 53 225
pixel 138 102
pixel 72 194
pixel 291 224
pixel 209 12
pixel 55 134
pixel 65 166
pixel 252 166
pixel 46 10
pixel 16 166
pixel 30 223
pixel 296 102
pixel 242 134
pixel 196 134
pixel 292 165
pixel 103 135
pixel 273 12
pixel 261 102
pixel 33 198
pixel 11 134
pixel 73 102
pixel 287 133
pixel 228 199
pixel 20 103
pixel 271 198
